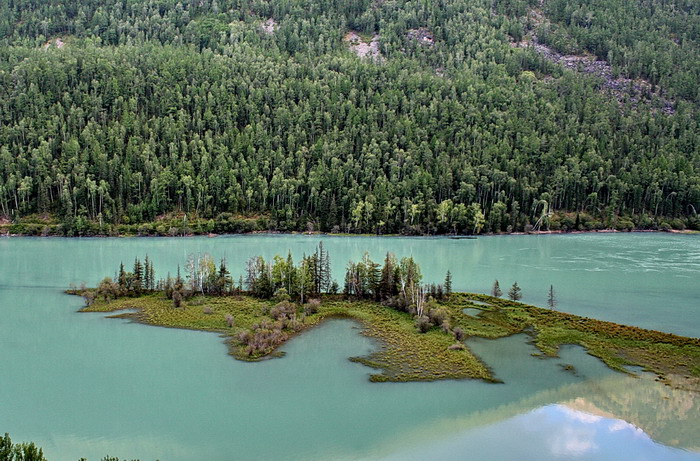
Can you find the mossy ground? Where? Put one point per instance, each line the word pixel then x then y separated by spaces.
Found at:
pixel 675 359
pixel 407 355
pixel 404 353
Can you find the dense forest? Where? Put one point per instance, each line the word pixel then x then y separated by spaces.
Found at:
pixel 254 115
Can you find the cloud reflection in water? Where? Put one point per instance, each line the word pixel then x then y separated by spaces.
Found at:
pixel 550 433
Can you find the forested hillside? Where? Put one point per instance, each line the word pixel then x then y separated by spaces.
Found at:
pixel 115 113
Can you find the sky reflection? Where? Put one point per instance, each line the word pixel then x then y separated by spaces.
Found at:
pixel 553 432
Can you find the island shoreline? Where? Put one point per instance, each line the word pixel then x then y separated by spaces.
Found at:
pixel 674 359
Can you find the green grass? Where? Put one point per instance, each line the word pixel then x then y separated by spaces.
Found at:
pixel 404 354
pixel 675 359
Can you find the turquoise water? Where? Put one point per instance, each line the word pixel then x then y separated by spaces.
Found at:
pixel 80 385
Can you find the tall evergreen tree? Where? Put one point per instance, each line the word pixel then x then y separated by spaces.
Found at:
pixel 515 293
pixel 551 298
pixel 137 277
pixel 448 284
pixel 496 290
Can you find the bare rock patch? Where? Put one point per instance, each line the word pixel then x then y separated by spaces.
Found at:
pixel 362 48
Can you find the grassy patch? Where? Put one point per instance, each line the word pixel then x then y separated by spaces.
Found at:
pixel 618 346
pixel 404 354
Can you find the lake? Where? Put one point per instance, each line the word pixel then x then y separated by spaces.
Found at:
pixel 82 385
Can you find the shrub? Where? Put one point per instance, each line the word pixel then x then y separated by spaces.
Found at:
pixel 446 327
pixel 207 310
pixel 263 338
pixel 624 224
pixel 283 310
pixel 89 297
pixel 677 224
pixel 229 320
pixel 459 334
pixel 281 295
pixel 177 299
pixel 423 324
pixel 312 306
pixel 438 316
pixel 400 303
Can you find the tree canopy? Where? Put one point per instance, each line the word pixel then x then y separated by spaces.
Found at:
pixel 121 112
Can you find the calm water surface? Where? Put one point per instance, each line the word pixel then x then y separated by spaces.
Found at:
pixel 81 385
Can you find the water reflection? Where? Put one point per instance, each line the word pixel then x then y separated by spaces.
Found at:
pixel 553 432
pixel 81 385
pixel 591 413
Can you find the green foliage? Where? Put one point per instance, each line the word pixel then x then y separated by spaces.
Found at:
pixel 496 291
pixel 19 452
pixel 197 120
pixel 551 298
pixel 282 278
pixel 515 293
pixel 655 40
pixel 408 353
pixel 448 284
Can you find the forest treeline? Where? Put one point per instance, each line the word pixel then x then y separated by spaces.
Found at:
pixel 151 108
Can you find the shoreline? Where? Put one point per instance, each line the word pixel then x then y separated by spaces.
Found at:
pixel 405 355
pixel 179 224
pixel 336 234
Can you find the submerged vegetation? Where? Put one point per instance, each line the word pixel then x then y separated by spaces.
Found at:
pixel 420 329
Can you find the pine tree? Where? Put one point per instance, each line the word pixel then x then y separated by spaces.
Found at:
pixel 152 275
pixel 179 284
pixel 515 293
pixel 168 287
pixel 137 279
pixel 122 279
pixel 224 280
pixel 387 283
pixel 448 284
pixel 496 290
pixel 146 274
pixel 263 287
pixel 551 298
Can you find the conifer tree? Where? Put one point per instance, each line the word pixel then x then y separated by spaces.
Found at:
pixel 146 274
pixel 496 290
pixel 387 284
pixel 551 298
pixel 448 284
pixel 122 279
pixel 137 277
pixel 224 279
pixel 152 275
pixel 515 293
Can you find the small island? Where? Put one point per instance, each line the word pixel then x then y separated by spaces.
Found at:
pixel 420 329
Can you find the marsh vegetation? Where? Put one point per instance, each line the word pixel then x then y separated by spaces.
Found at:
pixel 420 329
